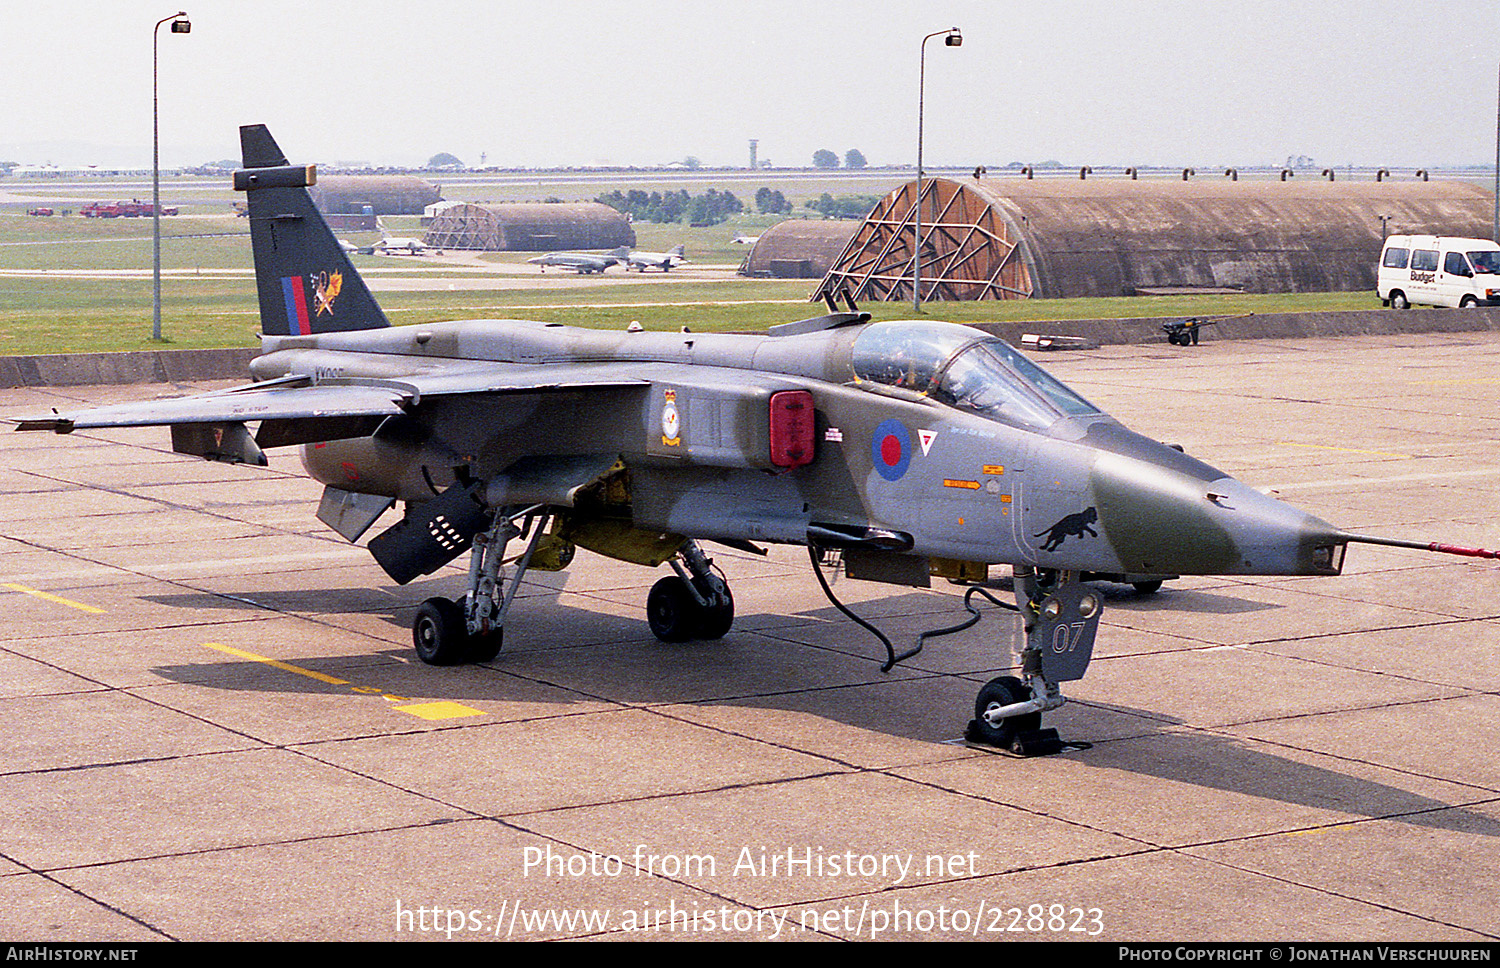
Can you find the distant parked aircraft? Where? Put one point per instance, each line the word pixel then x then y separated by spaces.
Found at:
pixel 584 263
pixel 394 245
pixel 641 261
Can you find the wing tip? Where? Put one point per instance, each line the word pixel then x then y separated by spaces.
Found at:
pixel 61 425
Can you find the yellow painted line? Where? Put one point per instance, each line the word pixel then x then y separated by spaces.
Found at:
pixel 440 710
pixel 1316 831
pixel 56 598
pixel 283 666
pixel 1344 450
pixel 425 710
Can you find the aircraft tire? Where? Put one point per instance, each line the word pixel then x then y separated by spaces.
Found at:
pixel 672 612
pixel 1002 692
pixel 439 632
pixel 1147 587
pixel 715 621
pixel 484 648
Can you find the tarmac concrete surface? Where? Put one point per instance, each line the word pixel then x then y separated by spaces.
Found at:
pixel 216 727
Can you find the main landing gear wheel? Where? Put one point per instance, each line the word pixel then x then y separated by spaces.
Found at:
pixel 1150 587
pixel 717 618
pixel 439 632
pixel 675 614
pixel 472 629
pixel 671 611
pixel 441 635
pixel 1002 692
pixel 484 648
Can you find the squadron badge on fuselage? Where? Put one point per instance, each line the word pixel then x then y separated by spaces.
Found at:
pixel 671 421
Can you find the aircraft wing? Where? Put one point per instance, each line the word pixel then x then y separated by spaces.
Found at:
pixel 237 406
pixel 291 411
pixel 288 399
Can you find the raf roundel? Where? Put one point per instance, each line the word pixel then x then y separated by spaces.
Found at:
pixel 890 449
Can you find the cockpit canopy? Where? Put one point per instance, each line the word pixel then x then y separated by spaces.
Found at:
pixel 966 369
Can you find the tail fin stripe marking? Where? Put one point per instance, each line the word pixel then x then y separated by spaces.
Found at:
pixel 296 305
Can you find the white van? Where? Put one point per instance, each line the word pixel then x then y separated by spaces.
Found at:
pixel 1435 270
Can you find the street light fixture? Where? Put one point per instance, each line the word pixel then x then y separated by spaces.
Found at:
pixel 180 25
pixel 951 38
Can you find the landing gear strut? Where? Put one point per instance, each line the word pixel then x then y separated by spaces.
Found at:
pixel 447 632
pixel 695 603
pixel 1061 616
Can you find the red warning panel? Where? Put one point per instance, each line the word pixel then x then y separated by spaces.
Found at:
pixel 792 439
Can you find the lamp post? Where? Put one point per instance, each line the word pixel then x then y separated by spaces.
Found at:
pixel 951 38
pixel 180 25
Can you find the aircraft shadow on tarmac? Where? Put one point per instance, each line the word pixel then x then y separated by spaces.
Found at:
pixel 397 600
pixel 791 663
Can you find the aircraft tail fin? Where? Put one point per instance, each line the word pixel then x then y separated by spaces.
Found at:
pixel 678 250
pixel 305 279
pixel 623 252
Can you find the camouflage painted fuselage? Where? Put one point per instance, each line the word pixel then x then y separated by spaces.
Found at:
pixel 685 418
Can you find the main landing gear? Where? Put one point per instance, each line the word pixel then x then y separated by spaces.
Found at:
pixel 472 629
pixel 1061 616
pixel 695 603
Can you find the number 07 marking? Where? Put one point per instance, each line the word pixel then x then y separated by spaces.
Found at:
pixel 1065 638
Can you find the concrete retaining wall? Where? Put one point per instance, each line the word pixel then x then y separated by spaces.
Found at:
pixel 185 366
pixel 143 366
pixel 1374 322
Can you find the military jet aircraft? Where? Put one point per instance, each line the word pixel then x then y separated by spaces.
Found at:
pixel 397 245
pixel 641 261
pixel 584 263
pixel 912 448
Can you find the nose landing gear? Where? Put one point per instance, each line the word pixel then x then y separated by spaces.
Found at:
pixel 1061 616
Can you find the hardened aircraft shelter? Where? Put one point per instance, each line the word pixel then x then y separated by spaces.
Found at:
pixel 1057 237
pixel 530 227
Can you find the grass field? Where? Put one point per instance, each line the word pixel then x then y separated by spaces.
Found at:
pixel 208 296
pixel 57 315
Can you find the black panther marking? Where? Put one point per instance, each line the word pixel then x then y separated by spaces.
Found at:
pixel 1074 525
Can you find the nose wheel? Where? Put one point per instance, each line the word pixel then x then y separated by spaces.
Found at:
pixel 996 694
pixel 1061 616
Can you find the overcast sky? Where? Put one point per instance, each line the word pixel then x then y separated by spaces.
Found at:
pixel 636 82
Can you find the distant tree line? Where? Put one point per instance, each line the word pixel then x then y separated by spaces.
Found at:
pixel 853 158
pixel 769 201
pixel 710 208
pixel 844 206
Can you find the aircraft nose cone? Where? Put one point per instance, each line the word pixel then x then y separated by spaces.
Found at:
pixel 1160 520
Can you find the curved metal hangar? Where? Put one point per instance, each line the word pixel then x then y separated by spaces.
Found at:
pixel 1018 238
